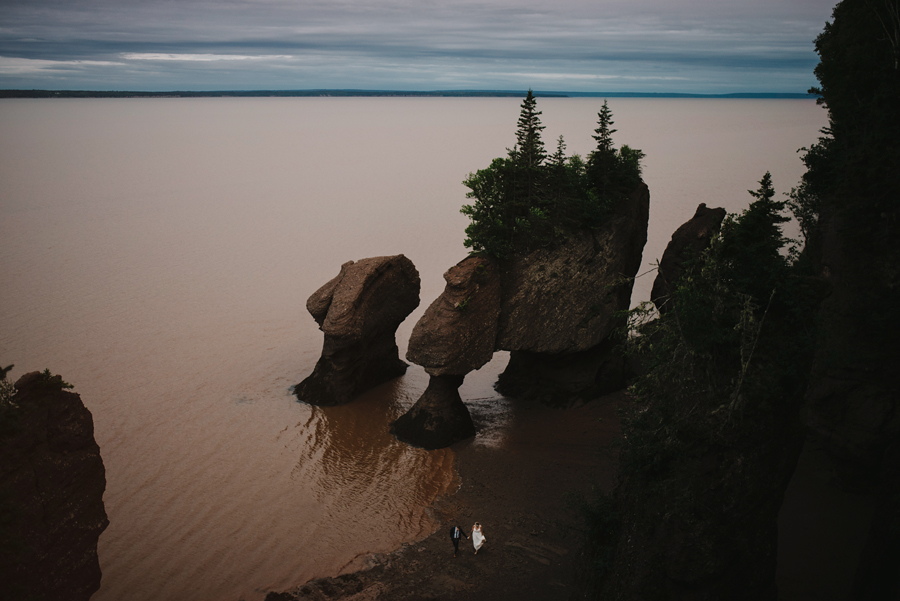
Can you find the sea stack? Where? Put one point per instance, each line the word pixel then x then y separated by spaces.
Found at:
pixel 688 242
pixel 456 335
pixel 359 311
pixel 561 304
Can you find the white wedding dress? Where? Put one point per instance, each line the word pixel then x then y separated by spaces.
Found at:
pixel 477 539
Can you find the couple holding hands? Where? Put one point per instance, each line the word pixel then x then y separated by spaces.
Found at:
pixel 477 537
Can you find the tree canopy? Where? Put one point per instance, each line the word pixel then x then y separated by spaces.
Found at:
pixel 529 199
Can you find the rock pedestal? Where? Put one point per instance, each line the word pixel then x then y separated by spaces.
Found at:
pixel 438 419
pixel 454 336
pixel 359 311
pixel 458 331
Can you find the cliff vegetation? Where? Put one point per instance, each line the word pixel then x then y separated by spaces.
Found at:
pixel 530 199
pixel 764 342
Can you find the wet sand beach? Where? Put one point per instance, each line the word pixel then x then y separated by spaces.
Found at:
pixel 519 493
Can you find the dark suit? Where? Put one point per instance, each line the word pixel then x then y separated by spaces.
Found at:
pixel 456 533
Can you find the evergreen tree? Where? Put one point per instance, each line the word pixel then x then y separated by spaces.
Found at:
pixel 603 162
pixel 527 199
pixel 751 245
pixel 529 151
pixel 528 159
pixel 603 133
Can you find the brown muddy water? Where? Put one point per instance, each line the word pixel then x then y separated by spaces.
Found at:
pixel 158 254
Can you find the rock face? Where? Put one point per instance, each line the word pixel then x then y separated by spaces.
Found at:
pixel 51 485
pixel 359 312
pixel 560 304
pixel 853 401
pixel 688 241
pixel 458 332
pixel 455 335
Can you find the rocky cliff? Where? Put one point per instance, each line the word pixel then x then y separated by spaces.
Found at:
pixel 714 431
pixel 853 401
pixel 51 490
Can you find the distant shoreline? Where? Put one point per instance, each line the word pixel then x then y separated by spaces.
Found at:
pixel 379 93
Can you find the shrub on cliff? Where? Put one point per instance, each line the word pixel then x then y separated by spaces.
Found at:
pixel 529 199
pixel 739 337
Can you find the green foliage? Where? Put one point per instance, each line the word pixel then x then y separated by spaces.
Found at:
pixel 599 529
pixel 7 392
pixel 8 407
pixel 751 245
pixel 739 338
pixel 852 183
pixel 529 199
pixel 50 382
pixel 853 167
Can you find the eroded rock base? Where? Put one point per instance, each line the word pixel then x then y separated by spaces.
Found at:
pixel 563 379
pixel 438 419
pixel 343 374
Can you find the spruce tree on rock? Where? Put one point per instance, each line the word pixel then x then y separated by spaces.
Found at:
pixel 603 133
pixel 529 151
pixel 528 157
pixel 603 162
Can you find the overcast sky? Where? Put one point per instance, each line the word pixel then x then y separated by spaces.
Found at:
pixel 697 46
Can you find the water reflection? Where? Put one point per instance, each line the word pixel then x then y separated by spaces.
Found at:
pixel 366 483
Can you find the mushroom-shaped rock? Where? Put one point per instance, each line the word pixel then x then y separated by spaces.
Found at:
pixel 438 419
pixel 455 335
pixel 359 312
pixel 688 241
pixel 561 304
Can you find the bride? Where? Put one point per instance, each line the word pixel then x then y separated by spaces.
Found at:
pixel 477 537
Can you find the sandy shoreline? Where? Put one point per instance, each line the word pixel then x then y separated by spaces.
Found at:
pixel 519 494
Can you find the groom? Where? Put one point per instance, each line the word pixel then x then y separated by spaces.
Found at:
pixel 455 535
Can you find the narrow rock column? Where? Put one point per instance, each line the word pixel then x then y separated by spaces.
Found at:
pixel 688 242
pixel 456 334
pixel 439 418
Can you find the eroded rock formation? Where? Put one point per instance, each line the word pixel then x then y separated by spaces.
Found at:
pixel 51 493
pixel 559 307
pixel 359 311
pixel 687 243
pixel 438 419
pixel 554 308
pixel 454 336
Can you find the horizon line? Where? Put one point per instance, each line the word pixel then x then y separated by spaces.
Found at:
pixel 325 92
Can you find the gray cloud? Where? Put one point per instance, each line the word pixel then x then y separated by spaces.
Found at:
pixel 649 45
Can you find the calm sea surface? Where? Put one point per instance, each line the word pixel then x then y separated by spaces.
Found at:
pixel 158 254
